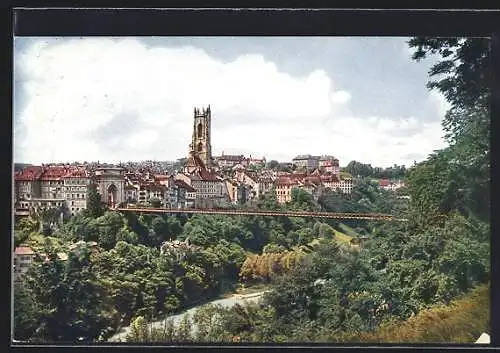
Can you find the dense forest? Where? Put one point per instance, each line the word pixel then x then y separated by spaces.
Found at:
pixel 324 288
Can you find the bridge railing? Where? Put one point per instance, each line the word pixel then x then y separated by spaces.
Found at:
pixel 337 215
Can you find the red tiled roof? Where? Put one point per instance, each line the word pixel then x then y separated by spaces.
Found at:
pixel 265 179
pixel 282 181
pixel 24 250
pixel 76 173
pixel 54 173
pixel 207 176
pixel 384 182
pixel 29 174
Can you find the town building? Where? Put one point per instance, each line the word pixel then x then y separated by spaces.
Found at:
pixel 232 190
pixel 337 183
pixel 110 184
pixel 23 257
pixel 26 186
pixel 150 191
pixel 162 179
pixel 211 190
pixel 306 161
pixel 131 193
pixel 258 162
pixel 229 161
pixel 250 180
pixel 186 195
pixel 75 187
pixel 284 186
pixel 51 188
pixel 329 164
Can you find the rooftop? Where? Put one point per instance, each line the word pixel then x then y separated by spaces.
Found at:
pixel 194 161
pixel 184 185
pixel 305 156
pixel 24 250
pixel 29 174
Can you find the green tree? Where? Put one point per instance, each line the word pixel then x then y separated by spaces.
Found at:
pixel 23 228
pixel 94 206
pixel 359 169
pixel 68 296
pixel 463 75
pixel 433 186
pixel 160 230
pixel 108 227
pixel 26 313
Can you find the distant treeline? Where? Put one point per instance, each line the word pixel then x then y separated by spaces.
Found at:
pixel 358 169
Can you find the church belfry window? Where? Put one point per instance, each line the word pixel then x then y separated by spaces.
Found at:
pixel 200 130
pixel 200 147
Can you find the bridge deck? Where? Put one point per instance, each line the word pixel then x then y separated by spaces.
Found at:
pixel 367 216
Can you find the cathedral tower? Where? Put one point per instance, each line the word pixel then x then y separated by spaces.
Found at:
pixel 201 146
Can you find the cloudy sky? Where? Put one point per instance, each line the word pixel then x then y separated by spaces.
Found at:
pixel 131 99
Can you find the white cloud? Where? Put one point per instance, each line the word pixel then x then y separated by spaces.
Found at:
pixel 117 99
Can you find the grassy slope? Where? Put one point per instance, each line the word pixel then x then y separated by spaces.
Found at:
pixel 462 321
pixel 348 230
pixel 343 236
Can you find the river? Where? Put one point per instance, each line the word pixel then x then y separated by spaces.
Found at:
pixel 225 302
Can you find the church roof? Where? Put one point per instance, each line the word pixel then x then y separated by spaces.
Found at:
pixel 208 176
pixel 203 175
pixel 194 161
pixel 184 185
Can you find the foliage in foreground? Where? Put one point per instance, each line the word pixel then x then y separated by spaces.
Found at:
pixel 462 321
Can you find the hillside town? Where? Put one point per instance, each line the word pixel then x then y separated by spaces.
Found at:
pixel 203 181
pixel 288 220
